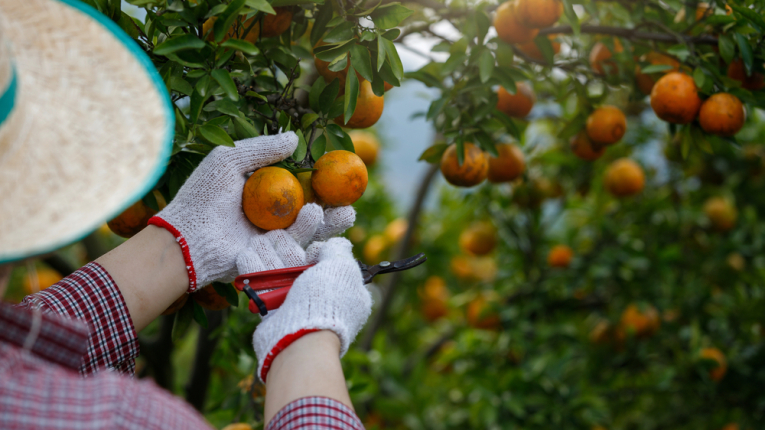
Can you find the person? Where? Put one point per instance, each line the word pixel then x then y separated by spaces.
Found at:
pixel 78 143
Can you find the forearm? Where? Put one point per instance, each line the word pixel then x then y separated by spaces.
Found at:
pixel 149 271
pixel 310 366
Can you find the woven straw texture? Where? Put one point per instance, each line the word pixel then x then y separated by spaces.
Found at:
pixel 87 133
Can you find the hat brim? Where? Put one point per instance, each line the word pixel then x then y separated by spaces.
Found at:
pixel 91 132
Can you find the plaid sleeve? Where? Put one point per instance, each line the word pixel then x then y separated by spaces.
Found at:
pixel 90 294
pixel 315 413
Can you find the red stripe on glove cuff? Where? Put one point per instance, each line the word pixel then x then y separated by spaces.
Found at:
pixel 281 346
pixel 159 222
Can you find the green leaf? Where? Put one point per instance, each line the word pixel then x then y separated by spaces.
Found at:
pixel 756 18
pixel 338 64
pixel 727 48
pixel 339 139
pixel 698 77
pixel 545 47
pixel 179 43
pixel 361 62
pixel 320 24
pixel 568 9
pixel 319 147
pixel 460 142
pixel 241 45
pixel 261 5
pixel 380 52
pixel 129 26
pixel 434 153
pixel 341 33
pixel 436 107
pixel 351 94
pixel 329 53
pixel 486 65
pixel 226 19
pixel 328 95
pixel 393 58
pixel 199 314
pixel 182 321
pixel 313 95
pixel 746 52
pixel 181 85
pixel 302 147
pixel 308 119
pixel 195 106
pixel 277 3
pixel 244 128
pixel 698 136
pixel 655 68
pixel 225 106
pixel 225 81
pixel 228 292
pixel 390 15
pixel 392 34
pixel 215 135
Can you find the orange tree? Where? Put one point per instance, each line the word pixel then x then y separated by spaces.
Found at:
pixel 618 281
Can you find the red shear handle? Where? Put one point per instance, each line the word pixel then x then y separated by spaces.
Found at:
pixel 279 280
pixel 272 299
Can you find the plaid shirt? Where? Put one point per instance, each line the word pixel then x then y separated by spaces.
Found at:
pixel 41 354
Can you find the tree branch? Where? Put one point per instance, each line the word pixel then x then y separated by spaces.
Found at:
pixel 628 33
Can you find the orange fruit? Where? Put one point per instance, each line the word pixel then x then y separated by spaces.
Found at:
pixel 717 372
pixel 606 125
pixel 737 71
pixel 508 25
pixel 369 108
pixel 237 30
pixel 396 230
pixel 532 50
pixel 176 305
pixel 340 178
pixel 736 261
pixel 539 13
pixel 461 266
pixel 375 248
pixel 721 212
pixel 601 333
pixel 675 98
pixel 275 25
pixel 645 82
pixel 730 426
pixel 480 312
pixel 722 114
pixel 366 146
pixel 309 195
pixel 600 58
pixel 41 279
pixel 484 268
pixel 643 321
pixel 480 238
pixel 208 298
pixel 516 105
pixel 584 148
pixel 624 177
pixel 473 170
pixel 387 86
pixel 560 256
pixel 435 298
pixel 322 68
pixel 508 166
pixel 135 218
pixel 238 426
pixel 272 198
pixel 357 234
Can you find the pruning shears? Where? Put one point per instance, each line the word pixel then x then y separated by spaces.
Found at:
pixel 279 281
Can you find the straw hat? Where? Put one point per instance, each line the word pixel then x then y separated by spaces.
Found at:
pixel 86 124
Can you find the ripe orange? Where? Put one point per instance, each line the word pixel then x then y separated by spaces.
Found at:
pixel 135 218
pixel 600 58
pixel 473 170
pixel 675 98
pixel 236 31
pixel 435 298
pixel 624 177
pixel 718 372
pixel 516 105
pixel 645 82
pixel 375 248
pixel 539 13
pixel 532 50
pixel 730 426
pixel 480 238
pixel 322 68
pixel 484 268
pixel 737 71
pixel 396 230
pixel 208 298
pixel 736 261
pixel 340 178
pixel 272 198
pixel 560 256
pixel 722 114
pixel 606 125
pixel 238 426
pixel 366 146
pixel 509 26
pixel 40 280
pixel 309 195
pixel 584 148
pixel 275 25
pixel 357 234
pixel 480 312
pixel 721 212
pixel 508 166
pixel 643 321
pixel 176 305
pixel 461 267
pixel 387 86
pixel 369 108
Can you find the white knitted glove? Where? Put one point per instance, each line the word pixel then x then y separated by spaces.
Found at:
pixel 206 215
pixel 328 296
